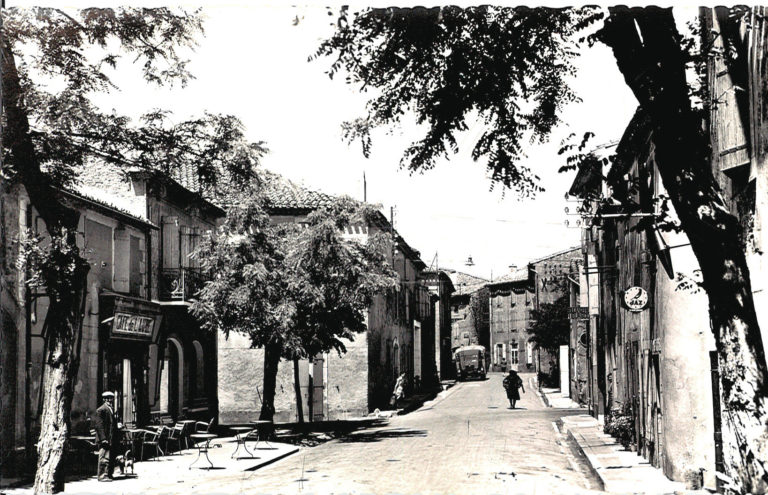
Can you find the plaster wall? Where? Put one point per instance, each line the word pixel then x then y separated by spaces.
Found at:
pixel 682 319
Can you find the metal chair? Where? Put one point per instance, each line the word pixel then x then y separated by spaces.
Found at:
pixel 151 439
pixel 173 435
pixel 203 427
pixel 181 431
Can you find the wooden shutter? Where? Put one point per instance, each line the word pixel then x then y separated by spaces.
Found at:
pixel 730 137
pixel 122 260
pixel 170 244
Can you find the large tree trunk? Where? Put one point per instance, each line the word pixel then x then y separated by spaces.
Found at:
pixel 653 66
pixel 64 318
pixel 272 352
pixel 64 323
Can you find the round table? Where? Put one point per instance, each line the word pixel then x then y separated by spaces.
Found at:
pixel 260 424
pixel 202 442
pixel 241 433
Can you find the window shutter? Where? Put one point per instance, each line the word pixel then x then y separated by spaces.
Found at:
pixel 122 260
pixel 170 245
pixel 731 145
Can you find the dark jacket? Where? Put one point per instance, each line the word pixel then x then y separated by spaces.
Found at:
pixel 105 423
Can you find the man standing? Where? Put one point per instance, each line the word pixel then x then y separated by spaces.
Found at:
pixel 107 436
pixel 511 383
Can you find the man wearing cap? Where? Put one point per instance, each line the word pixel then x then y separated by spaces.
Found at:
pixel 107 436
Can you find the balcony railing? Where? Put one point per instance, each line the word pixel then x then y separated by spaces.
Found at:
pixel 180 284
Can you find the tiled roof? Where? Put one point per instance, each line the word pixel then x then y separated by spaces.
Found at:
pixel 564 251
pixel 282 193
pixel 519 275
pixel 464 282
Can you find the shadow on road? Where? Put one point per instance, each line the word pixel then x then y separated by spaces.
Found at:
pixel 379 435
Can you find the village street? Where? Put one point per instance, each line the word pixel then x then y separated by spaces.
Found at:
pixel 466 441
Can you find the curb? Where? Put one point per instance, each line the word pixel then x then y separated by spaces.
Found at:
pixel 273 460
pixel 590 461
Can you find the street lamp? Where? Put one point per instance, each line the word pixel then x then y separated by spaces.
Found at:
pixel 469 261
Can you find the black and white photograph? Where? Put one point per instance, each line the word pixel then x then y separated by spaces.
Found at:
pixel 383 249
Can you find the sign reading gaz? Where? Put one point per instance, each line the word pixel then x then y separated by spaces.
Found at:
pixel 636 298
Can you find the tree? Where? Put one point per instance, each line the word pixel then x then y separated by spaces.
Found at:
pixel 54 64
pixel 295 290
pixel 509 66
pixel 551 327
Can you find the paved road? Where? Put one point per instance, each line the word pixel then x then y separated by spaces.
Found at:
pixel 465 442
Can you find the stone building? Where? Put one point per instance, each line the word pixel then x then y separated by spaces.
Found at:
pixel 181 370
pixel 121 325
pixel 441 287
pixel 398 340
pixel 510 300
pixel 650 343
pixel 470 324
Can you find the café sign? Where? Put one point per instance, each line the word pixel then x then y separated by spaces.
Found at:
pixel 130 325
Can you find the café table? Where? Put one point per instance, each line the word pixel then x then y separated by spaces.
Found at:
pixel 241 434
pixel 261 425
pixel 202 442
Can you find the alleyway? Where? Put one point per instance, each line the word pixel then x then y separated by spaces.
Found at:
pixel 467 441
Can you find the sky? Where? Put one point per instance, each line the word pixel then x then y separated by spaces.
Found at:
pixel 252 62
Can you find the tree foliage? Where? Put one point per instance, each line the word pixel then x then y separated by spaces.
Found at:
pixel 295 289
pixel 508 66
pixel 64 60
pixel 304 285
pixel 551 326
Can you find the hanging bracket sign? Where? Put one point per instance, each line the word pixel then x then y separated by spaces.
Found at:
pixel 636 298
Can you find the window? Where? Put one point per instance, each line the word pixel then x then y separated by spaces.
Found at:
pixel 514 357
pixel 135 273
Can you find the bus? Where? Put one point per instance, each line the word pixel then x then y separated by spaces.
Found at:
pixel 470 362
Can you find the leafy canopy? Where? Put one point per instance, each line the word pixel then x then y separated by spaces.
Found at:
pixel 509 66
pixel 65 59
pixel 551 327
pixel 304 286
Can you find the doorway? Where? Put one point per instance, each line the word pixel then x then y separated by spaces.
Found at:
pixel 121 380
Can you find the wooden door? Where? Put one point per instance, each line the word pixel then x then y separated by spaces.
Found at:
pixel 318 388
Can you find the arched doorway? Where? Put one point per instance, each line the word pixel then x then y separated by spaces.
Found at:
pixel 175 372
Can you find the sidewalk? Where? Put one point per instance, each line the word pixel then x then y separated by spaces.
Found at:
pixel 618 470
pixel 172 473
pixel 553 398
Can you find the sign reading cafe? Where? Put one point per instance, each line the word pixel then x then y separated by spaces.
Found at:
pixel 136 325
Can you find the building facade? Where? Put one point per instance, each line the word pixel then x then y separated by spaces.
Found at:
pixel 181 365
pixel 441 287
pixel 470 323
pixel 650 344
pixel 121 323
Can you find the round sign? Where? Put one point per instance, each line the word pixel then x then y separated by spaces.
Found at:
pixel 636 298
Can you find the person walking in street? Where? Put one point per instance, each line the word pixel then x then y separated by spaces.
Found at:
pixel 512 382
pixel 107 436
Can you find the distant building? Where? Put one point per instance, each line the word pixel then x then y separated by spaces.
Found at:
pixel 513 297
pixel 441 287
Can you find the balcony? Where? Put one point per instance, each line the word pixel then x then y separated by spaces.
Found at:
pixel 180 284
